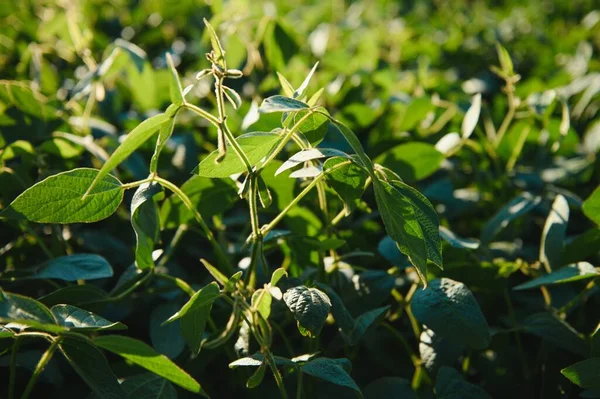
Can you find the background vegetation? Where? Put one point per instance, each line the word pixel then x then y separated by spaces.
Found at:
pixel 489 109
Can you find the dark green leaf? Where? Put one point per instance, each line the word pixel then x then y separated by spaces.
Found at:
pixel 412 161
pixel 553 235
pixel 436 351
pixel 166 339
pixel 342 316
pixel 566 274
pixel 585 374
pixel 362 323
pixel 310 308
pixel 74 267
pixel 257 377
pixel 144 218
pixel 331 371
pixel 389 387
pixel 202 297
pixel 148 386
pixel 348 181
pixel 256 145
pixel 449 309
pixel 556 331
pixel 143 355
pixel 450 385
pixel 78 319
pixel 92 367
pixel 515 208
pixel 22 309
pixel 74 295
pixel 58 198
pixel 193 324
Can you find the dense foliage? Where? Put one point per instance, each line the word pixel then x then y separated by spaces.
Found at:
pixel 370 199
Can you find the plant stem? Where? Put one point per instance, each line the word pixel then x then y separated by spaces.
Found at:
pixel 518 148
pixel 171 247
pixel 306 190
pixel 136 183
pixel 509 114
pixel 276 373
pixel 13 368
pixel 299 388
pixel 209 235
pixel 209 117
pixel 185 287
pixel 41 366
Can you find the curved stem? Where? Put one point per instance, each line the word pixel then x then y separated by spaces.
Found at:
pixel 276 373
pixel 209 117
pixel 13 368
pixel 209 235
pixel 41 366
pixel 185 287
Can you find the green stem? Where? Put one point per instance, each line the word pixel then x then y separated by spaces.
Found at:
pixel 209 235
pixel 508 117
pixel 299 389
pixel 209 117
pixel 171 247
pixel 185 287
pixel 276 373
pixel 136 183
pixel 13 368
pixel 299 197
pixel 41 366
pixel 518 148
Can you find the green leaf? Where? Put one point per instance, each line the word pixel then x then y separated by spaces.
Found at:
pixel 257 377
pixel 412 161
pixel 202 297
pixel 18 308
pixel 286 86
pixel 436 351
pixel 471 117
pixel 428 221
pixel 505 60
pixel 582 246
pixel 342 316
pixel 515 208
pixel 74 267
pixel 277 275
pixel 278 44
pixel 256 145
pixel 310 308
pixel 574 272
pixel 309 155
pixel 209 196
pixel 449 384
pixel 330 370
pixel 58 198
pixel 175 89
pixel 138 136
pixel 585 374
pixel 354 142
pixel 300 90
pixel 362 323
pixel 78 319
pixel 553 235
pixel 74 294
pixel 92 367
pixel 219 53
pixel 591 206
pixel 456 241
pixel 264 194
pixel 348 181
pixel 148 386
pixel 556 331
pixel 389 387
pixel 143 355
pixel 261 301
pixel 193 324
pixel 449 309
pixel 164 133
pixel 314 127
pixel 27 100
pixel 145 221
pixel 400 220
pixel 166 339
pixel 279 103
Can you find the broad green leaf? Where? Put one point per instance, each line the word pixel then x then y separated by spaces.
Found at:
pixel 412 161
pixel 256 145
pixel 261 301
pixel 553 235
pixel 277 275
pixel 348 181
pixel 145 221
pixel 74 294
pixel 428 220
pixel 257 377
pixel 362 323
pixel 143 355
pixel 175 89
pixel 341 315
pixel 310 308
pixel 402 225
pixel 574 272
pixel 148 386
pixel 27 100
pixel 74 267
pixel 202 297
pixel 591 206
pixel 279 45
pixel 389 387
pixel 279 103
pixel 582 246
pixel 515 208
pixel 138 136
pixel 309 155
pixel 450 384
pixel 219 53
pixel 585 374
pixel 286 86
pixel 210 197
pixel 471 117
pixel 58 198
pixel 436 351
pixel 18 308
pixel 354 142
pixel 330 370
pixel 449 309
pixel 314 127
pixel 556 331
pixel 165 131
pixel 92 367
pixel 166 339
pixel 193 324
pixel 456 241
pixel 78 319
